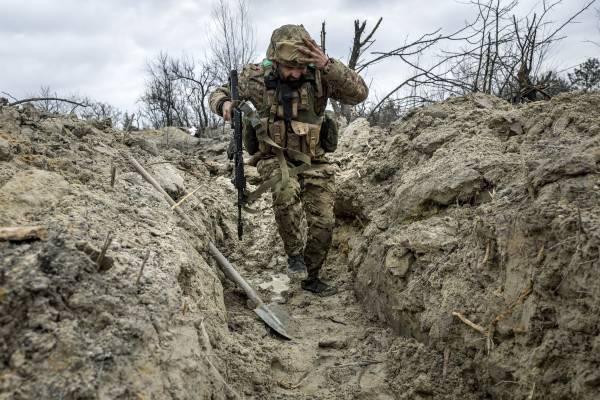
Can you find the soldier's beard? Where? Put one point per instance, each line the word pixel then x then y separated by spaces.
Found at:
pixel 292 82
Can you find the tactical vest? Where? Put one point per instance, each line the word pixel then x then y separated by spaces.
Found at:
pixel 294 116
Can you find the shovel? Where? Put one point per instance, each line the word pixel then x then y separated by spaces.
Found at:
pixel 272 315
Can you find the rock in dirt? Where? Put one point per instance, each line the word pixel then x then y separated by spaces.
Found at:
pixel 333 343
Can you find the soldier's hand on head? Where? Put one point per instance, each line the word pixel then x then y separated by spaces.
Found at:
pixel 227 110
pixel 314 54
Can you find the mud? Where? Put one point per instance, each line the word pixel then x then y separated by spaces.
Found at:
pixel 470 206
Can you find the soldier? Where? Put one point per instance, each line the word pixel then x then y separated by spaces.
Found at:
pixel 290 89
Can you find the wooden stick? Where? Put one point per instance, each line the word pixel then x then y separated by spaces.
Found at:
pixel 185 198
pixel 137 281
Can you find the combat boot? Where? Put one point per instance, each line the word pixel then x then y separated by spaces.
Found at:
pixel 318 287
pixel 296 267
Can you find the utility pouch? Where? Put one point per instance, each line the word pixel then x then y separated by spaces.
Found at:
pixel 329 133
pixel 305 137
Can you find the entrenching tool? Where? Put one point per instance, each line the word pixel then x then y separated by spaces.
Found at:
pixel 272 314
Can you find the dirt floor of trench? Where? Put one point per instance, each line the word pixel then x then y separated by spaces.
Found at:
pixel 338 352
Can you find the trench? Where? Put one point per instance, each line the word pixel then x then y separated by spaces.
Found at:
pixel 339 351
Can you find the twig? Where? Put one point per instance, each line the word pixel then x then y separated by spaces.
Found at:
pixel 205 337
pixel 473 325
pixel 113 175
pixel 208 347
pixel 336 321
pixel 301 381
pixel 146 257
pixel 446 361
pixel 105 247
pixel 9 95
pixel 185 198
pixel 532 393
pixel 486 256
pixel 357 364
pixel 14 103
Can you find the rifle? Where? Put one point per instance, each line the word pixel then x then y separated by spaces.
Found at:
pixel 239 180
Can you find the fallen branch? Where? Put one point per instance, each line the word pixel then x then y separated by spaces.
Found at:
pixel 14 103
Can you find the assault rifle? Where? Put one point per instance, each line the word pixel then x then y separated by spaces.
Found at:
pixel 239 180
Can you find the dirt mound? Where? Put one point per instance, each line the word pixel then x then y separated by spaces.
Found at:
pixel 490 212
pixel 73 328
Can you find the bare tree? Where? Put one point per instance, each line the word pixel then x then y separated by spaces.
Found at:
pixel 587 75
pixel 198 79
pixel 497 53
pixel 177 91
pixel 361 42
pixel 232 42
pixel 162 98
pixel 99 110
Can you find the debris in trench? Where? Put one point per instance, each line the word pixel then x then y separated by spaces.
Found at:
pixel 23 233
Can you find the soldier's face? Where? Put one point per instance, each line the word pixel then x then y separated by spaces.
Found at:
pixel 291 73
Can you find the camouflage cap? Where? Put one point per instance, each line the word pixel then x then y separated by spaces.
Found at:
pixel 285 44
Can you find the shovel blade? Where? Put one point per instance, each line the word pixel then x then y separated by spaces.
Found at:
pixel 276 317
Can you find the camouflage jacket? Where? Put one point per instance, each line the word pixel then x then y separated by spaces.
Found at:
pixel 337 82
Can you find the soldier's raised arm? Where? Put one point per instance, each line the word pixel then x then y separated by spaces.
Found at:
pixel 344 84
pixel 341 83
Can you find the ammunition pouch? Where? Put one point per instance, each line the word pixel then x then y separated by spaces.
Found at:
pixel 303 139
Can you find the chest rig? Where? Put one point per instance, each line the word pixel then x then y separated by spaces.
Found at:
pixel 292 116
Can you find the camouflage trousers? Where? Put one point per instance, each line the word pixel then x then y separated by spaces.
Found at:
pixel 304 211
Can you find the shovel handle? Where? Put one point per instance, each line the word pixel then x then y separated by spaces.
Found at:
pixel 225 266
pixel 232 274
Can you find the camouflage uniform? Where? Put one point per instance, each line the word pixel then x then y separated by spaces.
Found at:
pixel 303 205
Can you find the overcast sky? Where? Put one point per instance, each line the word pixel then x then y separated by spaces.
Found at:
pixel 100 48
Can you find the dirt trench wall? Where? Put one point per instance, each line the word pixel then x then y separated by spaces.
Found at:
pixel 477 207
pixel 71 329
